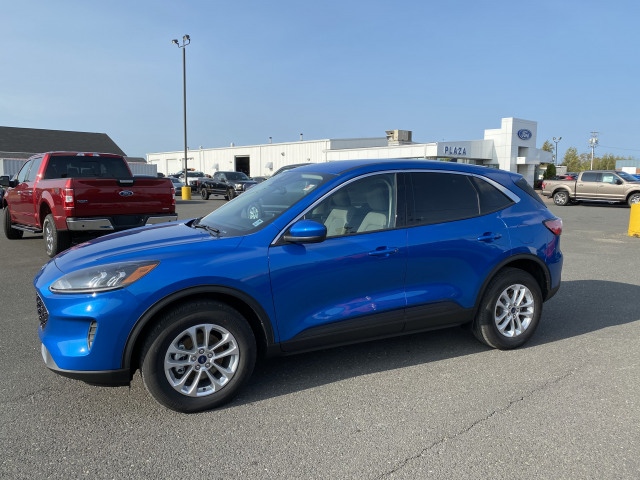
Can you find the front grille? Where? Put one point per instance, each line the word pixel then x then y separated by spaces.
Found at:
pixel 43 313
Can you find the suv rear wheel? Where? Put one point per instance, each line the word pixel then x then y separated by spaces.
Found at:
pixel 510 310
pixel 198 356
pixel 10 233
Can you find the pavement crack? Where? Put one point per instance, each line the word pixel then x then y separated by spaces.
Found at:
pixel 433 446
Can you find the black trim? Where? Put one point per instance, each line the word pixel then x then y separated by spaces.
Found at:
pixel 506 262
pixel 436 315
pixel 103 378
pixel 142 322
pixel 369 327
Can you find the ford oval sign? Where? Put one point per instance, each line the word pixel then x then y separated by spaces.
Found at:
pixel 524 134
pixel 128 193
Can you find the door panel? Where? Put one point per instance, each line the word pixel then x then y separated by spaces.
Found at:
pixel 449 263
pixel 338 280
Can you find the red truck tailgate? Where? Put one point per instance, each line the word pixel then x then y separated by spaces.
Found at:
pixel 96 196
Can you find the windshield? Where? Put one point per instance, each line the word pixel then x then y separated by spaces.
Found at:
pixel 626 176
pixel 261 205
pixel 236 176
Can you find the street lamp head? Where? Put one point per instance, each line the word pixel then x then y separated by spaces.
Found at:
pixel 186 40
pixel 174 41
pixel 186 37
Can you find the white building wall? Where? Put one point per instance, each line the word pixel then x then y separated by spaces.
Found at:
pixel 501 147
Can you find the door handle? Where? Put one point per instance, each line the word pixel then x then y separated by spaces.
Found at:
pixel 489 237
pixel 383 252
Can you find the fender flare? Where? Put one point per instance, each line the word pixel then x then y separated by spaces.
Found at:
pixel 504 263
pixel 152 311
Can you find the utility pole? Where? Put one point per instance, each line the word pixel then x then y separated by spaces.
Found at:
pixel 593 143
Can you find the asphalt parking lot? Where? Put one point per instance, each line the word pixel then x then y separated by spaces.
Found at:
pixel 434 405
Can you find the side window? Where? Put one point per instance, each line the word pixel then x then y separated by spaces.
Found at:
pixel 365 205
pixel 24 171
pixel 609 178
pixel 491 199
pixel 441 197
pixel 35 168
pixel 590 177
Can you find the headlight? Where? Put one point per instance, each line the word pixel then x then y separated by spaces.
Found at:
pixel 102 278
pixel 238 186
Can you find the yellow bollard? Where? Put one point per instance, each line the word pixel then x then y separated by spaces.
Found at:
pixel 634 220
pixel 186 193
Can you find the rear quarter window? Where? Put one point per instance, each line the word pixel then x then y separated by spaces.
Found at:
pixel 522 184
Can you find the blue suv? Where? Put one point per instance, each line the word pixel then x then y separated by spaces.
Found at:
pixel 325 254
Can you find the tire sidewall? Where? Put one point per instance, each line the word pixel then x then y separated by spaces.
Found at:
pixel 204 194
pixel 636 196
pixel 152 365
pixel 10 233
pixel 485 325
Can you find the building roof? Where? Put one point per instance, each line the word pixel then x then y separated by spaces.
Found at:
pixel 23 142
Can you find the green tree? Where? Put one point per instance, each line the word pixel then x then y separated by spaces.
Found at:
pixel 548 147
pixel 550 171
pixel 572 160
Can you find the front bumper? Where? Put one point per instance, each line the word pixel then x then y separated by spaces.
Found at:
pixel 113 378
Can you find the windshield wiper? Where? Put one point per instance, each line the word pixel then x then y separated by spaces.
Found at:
pixel 211 230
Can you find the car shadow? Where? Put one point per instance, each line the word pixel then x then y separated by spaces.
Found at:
pixel 577 309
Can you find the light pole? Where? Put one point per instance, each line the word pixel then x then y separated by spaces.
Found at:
pixel 556 142
pixel 186 40
pixel 593 143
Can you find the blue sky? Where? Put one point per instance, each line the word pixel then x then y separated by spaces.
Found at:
pixel 329 69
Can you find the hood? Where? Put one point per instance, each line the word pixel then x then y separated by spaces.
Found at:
pixel 154 242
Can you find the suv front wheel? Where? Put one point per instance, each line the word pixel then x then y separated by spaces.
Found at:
pixel 198 356
pixel 510 310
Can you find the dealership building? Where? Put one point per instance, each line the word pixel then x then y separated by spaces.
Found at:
pixel 511 147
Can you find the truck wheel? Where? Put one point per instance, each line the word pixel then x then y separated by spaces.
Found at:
pixel 55 241
pixel 510 310
pixel 561 198
pixel 10 233
pixel 198 356
pixel 633 198
pixel 231 193
pixel 204 194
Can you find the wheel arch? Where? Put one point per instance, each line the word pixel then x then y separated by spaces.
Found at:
pixel 527 262
pixel 633 192
pixel 248 307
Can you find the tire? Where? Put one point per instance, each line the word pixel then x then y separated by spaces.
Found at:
pixel 55 241
pixel 231 193
pixel 561 198
pixel 10 233
pixel 509 311
pixel 189 382
pixel 204 194
pixel 633 198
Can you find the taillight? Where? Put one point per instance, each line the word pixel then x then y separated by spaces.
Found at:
pixel 554 225
pixel 67 195
pixel 173 196
pixel 543 185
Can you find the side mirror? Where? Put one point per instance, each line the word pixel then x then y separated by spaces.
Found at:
pixel 618 181
pixel 4 181
pixel 306 231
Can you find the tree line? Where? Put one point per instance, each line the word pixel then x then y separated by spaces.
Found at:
pixel 577 162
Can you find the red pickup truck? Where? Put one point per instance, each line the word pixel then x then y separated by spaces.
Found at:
pixel 67 194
